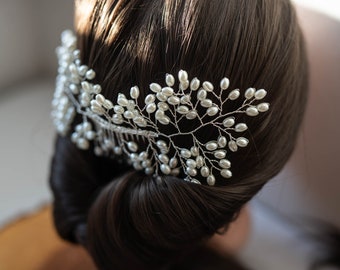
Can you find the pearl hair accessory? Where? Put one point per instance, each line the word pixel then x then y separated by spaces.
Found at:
pixel 147 133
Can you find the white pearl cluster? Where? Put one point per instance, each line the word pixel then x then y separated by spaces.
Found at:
pixel 134 129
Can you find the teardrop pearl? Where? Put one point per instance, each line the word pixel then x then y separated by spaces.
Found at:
pixel 224 84
pixel 132 146
pixel 134 92
pixel 163 158
pixel 226 173
pixel 201 95
pixel 222 141
pixel 170 80
pixel 191 163
pixel 263 107
pixel 234 94
pixel 252 111
pixel 151 108
pixel 211 146
pixel 167 91
pixel 224 163
pixel 249 93
pixel 211 180
pixel 260 94
pixel 228 122
pixel 155 87
pixel 232 146
pixel 208 86
pixel 191 115
pixel 182 76
pixel 219 154
pixel 207 103
pixel 242 142
pixel 150 99
pixel 241 127
pixel 173 100
pixel 165 169
pixel 185 153
pixel 173 162
pixel 204 171
pixel 195 84
pixel 212 111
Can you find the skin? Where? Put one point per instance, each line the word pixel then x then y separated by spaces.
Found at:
pixel 232 241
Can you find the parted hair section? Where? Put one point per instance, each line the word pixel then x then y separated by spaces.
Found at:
pixel 135 221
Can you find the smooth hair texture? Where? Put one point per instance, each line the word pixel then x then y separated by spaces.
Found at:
pixel 143 222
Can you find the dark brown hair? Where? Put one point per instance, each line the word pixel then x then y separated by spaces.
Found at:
pixel 137 221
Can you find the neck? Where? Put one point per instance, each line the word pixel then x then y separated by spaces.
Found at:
pixel 233 240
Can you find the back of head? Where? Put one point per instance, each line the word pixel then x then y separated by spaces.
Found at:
pixel 140 221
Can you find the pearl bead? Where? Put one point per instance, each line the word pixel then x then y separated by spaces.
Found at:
pixel 204 171
pixel 170 80
pixel 224 84
pixel 184 85
pixel 182 109
pixel 146 163
pixel 206 103
pixel 155 87
pixel 82 70
pixel 208 86
pixel 249 93
pixel 232 146
pixel 191 163
pixel 242 142
pixel 117 150
pixel 185 99
pixel 163 158
pixel 173 162
pixel 97 89
pixel 195 181
pixel 252 111
pixel 173 100
pixel 199 161
pixel 90 135
pixel 191 115
pixel 137 166
pixel 149 171
pixel 165 169
pixel 263 107
pixel 182 76
pixel 219 154
pixel 234 94
pixel 150 99
pixel 211 180
pixel 98 151
pixel 194 151
pixel 159 114
pixel 212 111
pixel 132 146
pixel 226 173
pixel 107 104
pixel 161 144
pixel 83 144
pixel 201 94
pixel 194 84
pixel 241 127
pixel 211 146
pixel 151 108
pixel 117 119
pixel 163 106
pixel 143 155
pixel 167 91
pixel 118 109
pixel 161 97
pixel 260 94
pixel 222 141
pixel 191 171
pixel 224 163
pixel 128 114
pixel 90 74
pixel 164 120
pixel 122 101
pixel 140 121
pixel 185 153
pixel 134 92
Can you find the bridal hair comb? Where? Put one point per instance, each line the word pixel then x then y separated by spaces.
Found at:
pixel 148 134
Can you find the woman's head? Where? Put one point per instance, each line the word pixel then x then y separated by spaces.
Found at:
pixel 150 220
